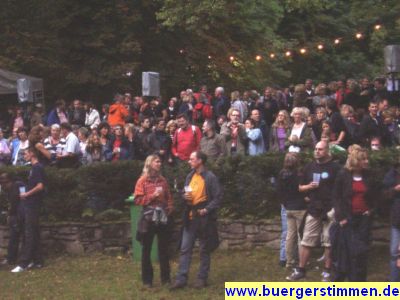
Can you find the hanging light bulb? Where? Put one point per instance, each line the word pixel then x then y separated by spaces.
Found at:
pixel 303 50
pixel 231 58
pixel 258 57
pixel 209 57
pixel 181 51
pixel 320 47
pixel 288 53
pixel 272 55
pixel 378 27
pixel 337 41
pixel 359 36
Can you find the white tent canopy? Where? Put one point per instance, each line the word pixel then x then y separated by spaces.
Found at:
pixel 9 84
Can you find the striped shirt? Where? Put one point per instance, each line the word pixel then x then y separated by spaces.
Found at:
pixel 53 147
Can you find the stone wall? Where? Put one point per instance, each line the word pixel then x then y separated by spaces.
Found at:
pixel 115 237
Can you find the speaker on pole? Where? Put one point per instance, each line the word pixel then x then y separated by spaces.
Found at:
pixel 151 84
pixel 392 59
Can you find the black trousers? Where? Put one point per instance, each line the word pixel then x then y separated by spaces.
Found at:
pixel 13 243
pixel 28 218
pixel 358 248
pixel 163 237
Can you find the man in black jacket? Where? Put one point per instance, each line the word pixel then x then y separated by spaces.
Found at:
pixel 12 190
pixel 318 182
pixel 371 125
pixel 202 196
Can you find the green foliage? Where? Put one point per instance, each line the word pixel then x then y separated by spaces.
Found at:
pixel 84 48
pixel 84 193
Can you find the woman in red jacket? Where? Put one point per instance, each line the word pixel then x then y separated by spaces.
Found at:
pixel 152 192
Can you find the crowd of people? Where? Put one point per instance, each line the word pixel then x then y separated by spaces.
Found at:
pixel 292 119
pixel 323 204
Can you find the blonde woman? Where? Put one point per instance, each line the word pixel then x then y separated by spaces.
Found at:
pixel 152 192
pixel 299 138
pixel 294 205
pixel 354 196
pixel 279 132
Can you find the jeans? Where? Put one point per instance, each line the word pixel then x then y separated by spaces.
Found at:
pixel 162 239
pixel 282 252
pixel 190 233
pixel 13 243
pixel 394 252
pixel 31 250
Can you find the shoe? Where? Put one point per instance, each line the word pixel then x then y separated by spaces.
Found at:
pixel 200 284
pixel 18 269
pixel 282 263
pixel 325 276
pixel 177 285
pixel 322 258
pixel 296 275
pixel 30 266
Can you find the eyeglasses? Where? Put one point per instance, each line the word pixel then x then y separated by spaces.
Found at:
pixel 235 115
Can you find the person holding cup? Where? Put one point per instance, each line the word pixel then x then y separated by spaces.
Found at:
pixel 153 193
pixel 202 195
pixel 317 183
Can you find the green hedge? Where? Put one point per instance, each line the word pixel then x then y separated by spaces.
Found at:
pixel 76 194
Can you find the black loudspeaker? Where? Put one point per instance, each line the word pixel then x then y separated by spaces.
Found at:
pixel 392 59
pixel 151 84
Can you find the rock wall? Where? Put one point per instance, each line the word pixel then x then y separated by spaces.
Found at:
pixel 115 237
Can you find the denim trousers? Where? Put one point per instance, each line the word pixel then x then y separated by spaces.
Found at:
pixel 191 232
pixel 394 252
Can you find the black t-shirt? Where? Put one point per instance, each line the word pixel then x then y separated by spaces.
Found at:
pixel 36 176
pixel 321 197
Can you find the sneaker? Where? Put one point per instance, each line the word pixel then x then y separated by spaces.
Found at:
pixel 296 275
pixel 30 266
pixel 322 258
pixel 325 276
pixel 18 269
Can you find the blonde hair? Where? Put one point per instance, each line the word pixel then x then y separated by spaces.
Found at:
pixel 356 155
pixel 230 111
pixel 300 110
pixel 147 164
pixel 169 125
pixel 286 120
pixel 291 161
pixel 235 95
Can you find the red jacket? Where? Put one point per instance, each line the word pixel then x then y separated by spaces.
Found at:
pixel 186 141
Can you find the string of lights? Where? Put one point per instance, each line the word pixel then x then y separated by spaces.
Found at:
pixel 302 50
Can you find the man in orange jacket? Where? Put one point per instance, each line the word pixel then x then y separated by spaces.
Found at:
pixel 117 112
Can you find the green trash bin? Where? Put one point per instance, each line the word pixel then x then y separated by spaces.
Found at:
pixel 136 247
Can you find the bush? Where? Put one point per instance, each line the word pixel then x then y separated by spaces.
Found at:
pixel 248 189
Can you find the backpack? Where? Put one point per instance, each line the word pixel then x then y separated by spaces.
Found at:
pixel 202 112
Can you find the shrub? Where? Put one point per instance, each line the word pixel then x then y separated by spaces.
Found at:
pixel 248 190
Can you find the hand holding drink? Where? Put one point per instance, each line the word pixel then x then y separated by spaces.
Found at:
pixel 188 194
pixel 158 191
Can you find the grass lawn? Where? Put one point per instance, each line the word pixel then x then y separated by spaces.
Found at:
pixel 105 277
